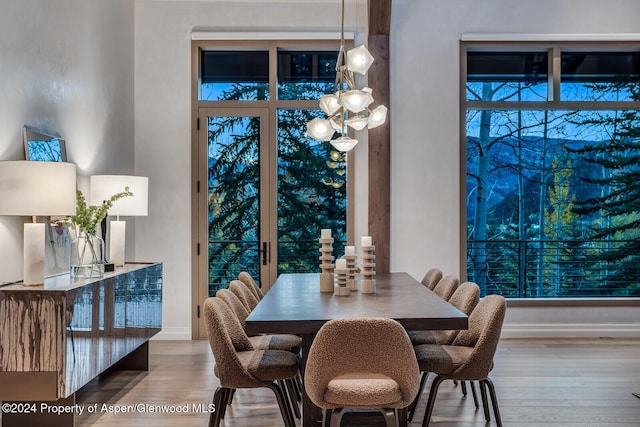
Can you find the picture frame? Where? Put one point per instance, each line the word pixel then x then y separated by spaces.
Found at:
pixel 44 147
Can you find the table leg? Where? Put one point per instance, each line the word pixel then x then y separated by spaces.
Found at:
pixel 311 414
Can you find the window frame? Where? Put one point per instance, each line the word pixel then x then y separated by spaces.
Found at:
pixel 553 102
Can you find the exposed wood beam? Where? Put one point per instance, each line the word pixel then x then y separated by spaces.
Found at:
pixel 379 17
pixel 379 138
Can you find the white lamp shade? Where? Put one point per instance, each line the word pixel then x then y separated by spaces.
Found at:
pixel 329 104
pixel 377 116
pixel 37 188
pixel 102 187
pixel 359 60
pixel 344 143
pixel 356 100
pixel 320 129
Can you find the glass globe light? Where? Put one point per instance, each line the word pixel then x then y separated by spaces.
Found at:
pixel 377 116
pixel 329 104
pixel 359 60
pixel 320 129
pixel 344 143
pixel 356 100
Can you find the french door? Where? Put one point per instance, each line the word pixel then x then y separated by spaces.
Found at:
pixel 235 179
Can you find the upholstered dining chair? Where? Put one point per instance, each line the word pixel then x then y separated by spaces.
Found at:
pixel 286 342
pixel 465 298
pixel 469 357
pixel 239 365
pixel 431 279
pixel 248 280
pixel 446 287
pixel 363 362
pixel 247 297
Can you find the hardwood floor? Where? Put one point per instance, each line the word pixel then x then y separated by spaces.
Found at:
pixel 541 383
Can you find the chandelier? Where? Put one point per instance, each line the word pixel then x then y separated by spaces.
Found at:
pixel 347 106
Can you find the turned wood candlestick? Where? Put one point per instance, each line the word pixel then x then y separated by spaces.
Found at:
pixel 368 283
pixel 326 276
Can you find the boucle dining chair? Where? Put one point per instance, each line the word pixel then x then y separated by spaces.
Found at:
pixel 247 297
pixel 248 280
pixel 465 298
pixel 469 357
pixel 239 365
pixel 363 362
pixel 446 287
pixel 431 279
pixel 288 342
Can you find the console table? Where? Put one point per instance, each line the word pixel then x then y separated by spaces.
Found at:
pixel 56 337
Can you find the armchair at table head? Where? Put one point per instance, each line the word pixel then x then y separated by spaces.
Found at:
pixel 361 363
pixel 431 279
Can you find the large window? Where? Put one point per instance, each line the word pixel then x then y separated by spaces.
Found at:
pixel 552 142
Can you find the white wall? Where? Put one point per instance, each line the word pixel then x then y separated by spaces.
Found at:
pixel 66 66
pixel 425 169
pixel 163 120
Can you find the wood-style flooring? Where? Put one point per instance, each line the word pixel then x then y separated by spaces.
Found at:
pixel 541 383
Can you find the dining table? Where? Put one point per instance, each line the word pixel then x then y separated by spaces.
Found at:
pixel 295 305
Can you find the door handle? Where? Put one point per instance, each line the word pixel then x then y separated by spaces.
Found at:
pixel 264 253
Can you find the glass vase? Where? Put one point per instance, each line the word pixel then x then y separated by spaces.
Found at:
pixel 87 256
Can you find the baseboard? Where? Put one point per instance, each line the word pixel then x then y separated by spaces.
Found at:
pixel 173 334
pixel 568 330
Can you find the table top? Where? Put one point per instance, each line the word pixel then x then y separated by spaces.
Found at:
pixel 64 282
pixel 295 305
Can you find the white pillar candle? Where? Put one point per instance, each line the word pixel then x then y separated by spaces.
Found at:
pixel 33 254
pixel 349 250
pixel 365 241
pixel 341 264
pixel 116 242
pixel 325 233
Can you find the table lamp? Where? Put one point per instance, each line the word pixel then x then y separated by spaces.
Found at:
pixel 102 187
pixel 36 189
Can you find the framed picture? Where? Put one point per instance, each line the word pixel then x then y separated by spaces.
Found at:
pixel 40 146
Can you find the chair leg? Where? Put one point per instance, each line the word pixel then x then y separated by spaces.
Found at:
pixel 432 400
pixel 412 407
pixel 293 397
pixel 283 403
pixel 401 415
pixel 390 418
pixel 225 400
pixel 474 393
pixel 214 417
pixel 326 417
pixel 230 399
pixel 485 405
pixel 463 387
pixel 336 417
pixel 494 400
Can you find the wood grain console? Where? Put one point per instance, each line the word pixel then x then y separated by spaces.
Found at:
pixel 57 337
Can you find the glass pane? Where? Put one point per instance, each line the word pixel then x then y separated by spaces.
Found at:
pixel 233 195
pixel 236 75
pixel 552 203
pixel 604 76
pixel 312 193
pixel 306 75
pixel 507 76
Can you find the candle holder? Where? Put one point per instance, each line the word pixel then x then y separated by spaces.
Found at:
pixel 352 270
pixel 326 277
pixel 368 284
pixel 341 278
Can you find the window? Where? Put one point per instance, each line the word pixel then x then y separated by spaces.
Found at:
pixel 552 152
pixel 269 188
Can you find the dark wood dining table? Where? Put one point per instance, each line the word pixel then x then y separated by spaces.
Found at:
pixel 295 305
